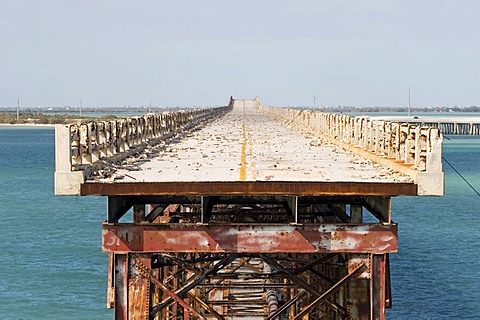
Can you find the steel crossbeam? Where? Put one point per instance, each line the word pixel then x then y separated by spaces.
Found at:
pixel 244 238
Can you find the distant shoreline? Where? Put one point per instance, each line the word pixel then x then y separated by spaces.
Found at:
pixel 45 125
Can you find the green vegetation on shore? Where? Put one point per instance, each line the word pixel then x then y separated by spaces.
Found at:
pixel 31 118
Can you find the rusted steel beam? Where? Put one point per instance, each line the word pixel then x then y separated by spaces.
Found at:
pixel 167 291
pixel 358 289
pixel 196 280
pixel 111 281
pixel 121 287
pixel 388 283
pixel 249 188
pixel 359 269
pixel 377 287
pixel 156 211
pixel 298 280
pixel 287 305
pixel 245 238
pixel 380 207
pixel 245 285
pixel 312 264
pixel 117 207
pixel 138 213
pixel 206 306
pixel 139 290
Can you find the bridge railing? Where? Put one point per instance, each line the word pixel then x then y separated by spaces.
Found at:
pixel 404 147
pixel 80 146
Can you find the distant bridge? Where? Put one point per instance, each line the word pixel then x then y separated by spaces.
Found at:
pixel 247 211
pixel 447 125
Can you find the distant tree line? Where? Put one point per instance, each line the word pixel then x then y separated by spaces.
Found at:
pixel 31 118
pixel 393 109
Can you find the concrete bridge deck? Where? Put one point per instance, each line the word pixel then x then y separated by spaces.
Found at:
pixel 248 211
pixel 264 150
pixel 246 145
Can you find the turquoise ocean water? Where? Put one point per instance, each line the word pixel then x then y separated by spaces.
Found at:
pixel 52 267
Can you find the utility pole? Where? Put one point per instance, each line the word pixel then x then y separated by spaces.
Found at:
pixel 81 107
pixel 150 107
pixel 314 100
pixel 409 96
pixel 18 108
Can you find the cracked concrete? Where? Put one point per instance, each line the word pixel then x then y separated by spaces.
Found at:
pixel 247 140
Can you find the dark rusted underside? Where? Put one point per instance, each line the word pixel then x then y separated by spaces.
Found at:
pixel 249 250
pixel 249 188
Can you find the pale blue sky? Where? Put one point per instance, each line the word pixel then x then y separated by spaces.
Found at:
pixel 197 53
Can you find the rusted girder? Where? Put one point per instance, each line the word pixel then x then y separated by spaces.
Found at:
pixel 245 238
pixel 194 282
pixel 299 281
pixel 250 188
pixel 330 291
pixel 170 293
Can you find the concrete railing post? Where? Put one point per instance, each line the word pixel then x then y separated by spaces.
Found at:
pixel 66 181
pixel 80 146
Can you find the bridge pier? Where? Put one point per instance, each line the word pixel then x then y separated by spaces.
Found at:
pixel 248 217
pixel 328 263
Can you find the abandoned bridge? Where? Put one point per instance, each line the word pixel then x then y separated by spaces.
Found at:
pixel 247 211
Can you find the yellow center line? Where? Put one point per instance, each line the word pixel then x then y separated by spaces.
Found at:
pixel 243 157
pixel 252 161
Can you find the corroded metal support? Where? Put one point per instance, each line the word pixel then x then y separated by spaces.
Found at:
pixel 244 238
pixel 117 207
pixel 251 188
pixel 130 296
pixel 202 264
pixel 380 207
pixel 378 287
pixel 197 280
pixel 358 269
pixel 121 287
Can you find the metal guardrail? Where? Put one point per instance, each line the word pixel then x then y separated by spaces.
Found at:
pixel 410 149
pixel 81 145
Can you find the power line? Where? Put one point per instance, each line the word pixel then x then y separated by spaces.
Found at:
pixel 461 176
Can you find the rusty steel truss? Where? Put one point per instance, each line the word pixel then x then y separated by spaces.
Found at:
pixel 249 257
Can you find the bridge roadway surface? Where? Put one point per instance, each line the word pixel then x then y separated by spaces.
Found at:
pixel 244 149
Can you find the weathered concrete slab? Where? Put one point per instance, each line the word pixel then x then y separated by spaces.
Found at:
pixel 247 145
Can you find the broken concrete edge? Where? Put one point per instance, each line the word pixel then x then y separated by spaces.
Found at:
pixel 67 183
pixel 429 183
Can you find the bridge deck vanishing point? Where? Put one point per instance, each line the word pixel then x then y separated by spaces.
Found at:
pixel 248 211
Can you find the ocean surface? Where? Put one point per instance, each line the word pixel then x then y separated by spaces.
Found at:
pixel 52 267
